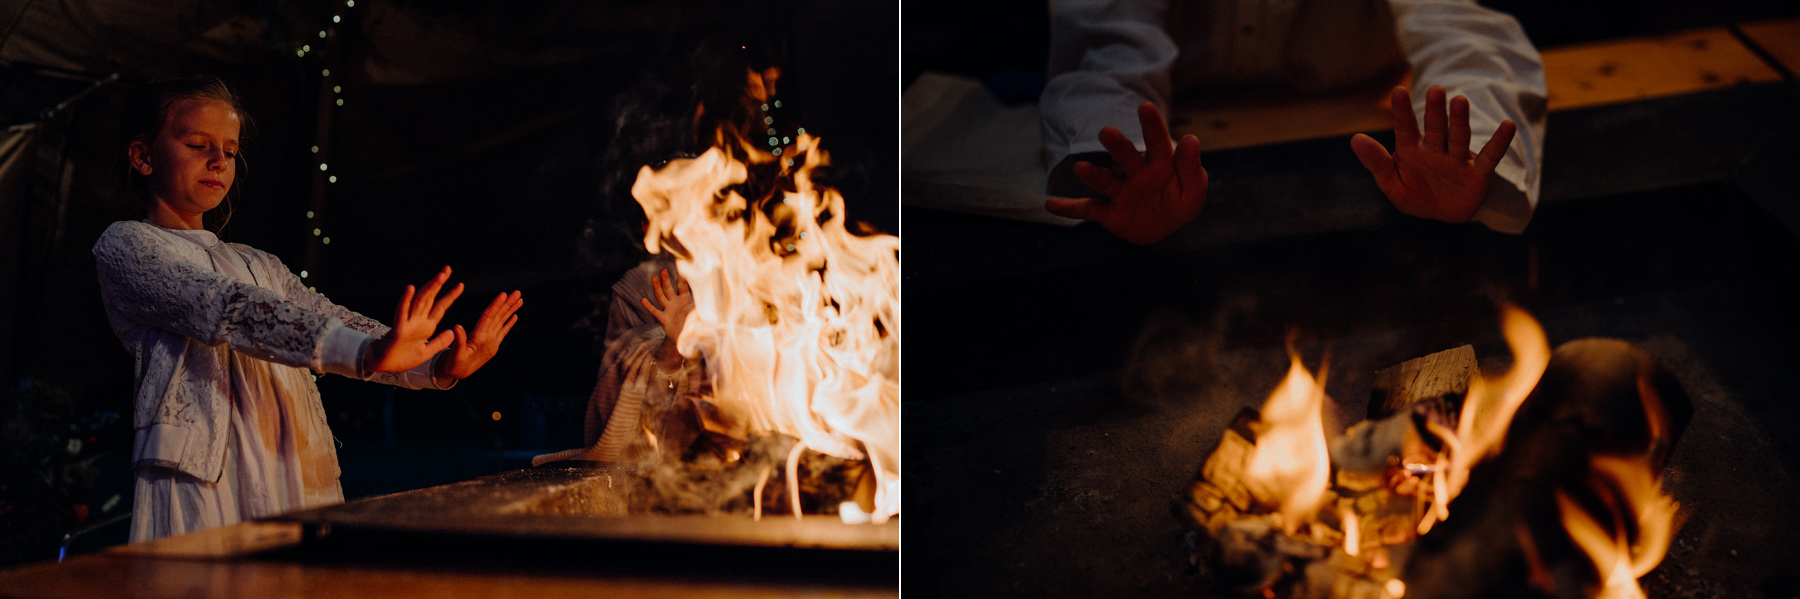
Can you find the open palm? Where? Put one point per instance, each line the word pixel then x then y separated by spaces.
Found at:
pixel 1153 194
pixel 1433 175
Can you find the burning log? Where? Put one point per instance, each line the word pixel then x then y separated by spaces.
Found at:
pixel 1598 397
pixel 1584 430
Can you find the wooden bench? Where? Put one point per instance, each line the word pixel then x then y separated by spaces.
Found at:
pixel 1578 76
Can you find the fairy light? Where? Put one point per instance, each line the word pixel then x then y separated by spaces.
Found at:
pixel 321 166
pixel 335 18
pixel 302 274
pixel 315 149
pixel 332 178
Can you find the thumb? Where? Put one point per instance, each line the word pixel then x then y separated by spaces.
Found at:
pixel 1082 208
pixel 1375 158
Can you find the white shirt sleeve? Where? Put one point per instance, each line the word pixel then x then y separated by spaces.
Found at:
pixel 1106 58
pixel 1483 54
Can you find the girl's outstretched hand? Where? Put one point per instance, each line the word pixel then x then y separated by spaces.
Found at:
pixel 472 350
pixel 1153 194
pixel 677 301
pixel 411 342
pixel 1434 175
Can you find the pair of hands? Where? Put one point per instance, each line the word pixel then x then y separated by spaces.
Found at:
pixel 1158 191
pixel 415 338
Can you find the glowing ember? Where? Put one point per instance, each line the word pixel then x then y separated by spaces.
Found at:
pixel 1631 490
pixel 1290 465
pixel 798 318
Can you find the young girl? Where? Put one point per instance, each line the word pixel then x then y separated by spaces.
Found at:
pixel 228 421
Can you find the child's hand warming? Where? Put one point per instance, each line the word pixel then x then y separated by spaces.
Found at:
pixel 411 342
pixel 472 350
pixel 677 303
pixel 1433 176
pixel 1161 190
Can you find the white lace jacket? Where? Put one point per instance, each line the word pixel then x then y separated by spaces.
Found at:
pixel 173 310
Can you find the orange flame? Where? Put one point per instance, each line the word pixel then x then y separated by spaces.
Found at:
pixel 1488 410
pixel 1620 560
pixel 799 321
pixel 1290 465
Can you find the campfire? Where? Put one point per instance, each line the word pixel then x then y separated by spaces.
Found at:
pixel 797 316
pixel 1540 481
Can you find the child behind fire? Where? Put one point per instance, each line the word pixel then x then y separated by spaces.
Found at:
pixel 228 421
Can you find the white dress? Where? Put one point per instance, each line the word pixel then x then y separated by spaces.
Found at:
pixel 228 422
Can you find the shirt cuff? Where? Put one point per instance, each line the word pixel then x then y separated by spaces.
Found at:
pixel 340 350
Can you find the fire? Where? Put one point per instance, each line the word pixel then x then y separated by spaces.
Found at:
pixel 1291 465
pixel 1487 411
pixel 798 318
pixel 1631 490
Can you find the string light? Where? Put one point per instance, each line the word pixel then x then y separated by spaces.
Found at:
pixel 334 18
pixel 337 89
pixel 778 103
pixel 309 214
pixel 350 3
pixel 325 73
pixel 302 274
pixel 326 241
pixel 331 179
pixel 321 34
pixel 315 149
pixel 315 232
pixel 340 102
pixel 305 47
pixel 321 166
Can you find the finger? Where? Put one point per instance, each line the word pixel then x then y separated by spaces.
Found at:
pixel 661 289
pixel 1496 147
pixel 1406 123
pixel 1434 118
pixel 403 312
pixel 422 302
pixel 1156 132
pixel 462 338
pixel 1459 128
pixel 1099 179
pixel 443 303
pixel 653 310
pixel 684 289
pixel 1192 175
pixel 504 329
pixel 1082 208
pixel 1123 153
pixel 440 342
pixel 1376 159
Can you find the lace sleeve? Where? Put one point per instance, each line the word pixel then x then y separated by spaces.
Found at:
pixel 420 377
pixel 151 284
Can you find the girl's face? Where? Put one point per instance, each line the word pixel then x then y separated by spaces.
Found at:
pixel 193 161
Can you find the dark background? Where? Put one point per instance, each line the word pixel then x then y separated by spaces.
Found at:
pixel 500 138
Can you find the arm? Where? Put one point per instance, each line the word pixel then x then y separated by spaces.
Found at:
pixel 1483 55
pixel 1105 60
pixel 154 285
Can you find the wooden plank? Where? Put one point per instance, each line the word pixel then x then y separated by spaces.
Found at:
pixel 1261 117
pixel 113 575
pixel 1781 39
pixel 1641 68
pixel 1577 76
pixel 1427 378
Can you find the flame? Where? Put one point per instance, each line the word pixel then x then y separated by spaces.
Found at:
pixel 1290 465
pixel 798 318
pixel 1352 531
pixel 1620 560
pixel 1488 410
pixel 1395 588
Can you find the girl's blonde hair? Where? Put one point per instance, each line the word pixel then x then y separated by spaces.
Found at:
pixel 147 110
